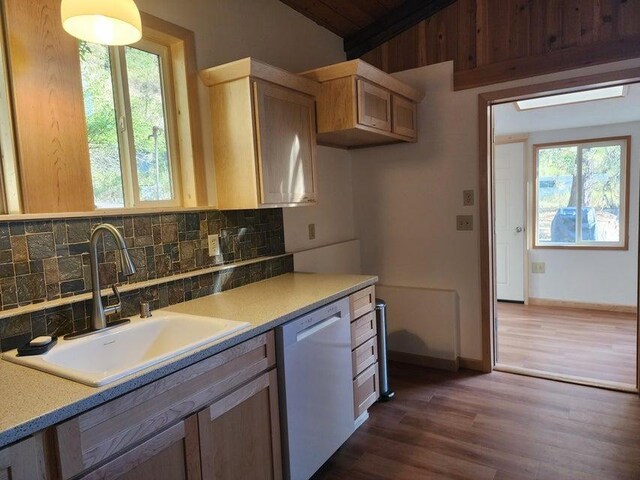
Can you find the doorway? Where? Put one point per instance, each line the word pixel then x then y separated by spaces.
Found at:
pixel 583 339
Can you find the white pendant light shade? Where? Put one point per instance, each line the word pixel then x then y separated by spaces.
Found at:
pixel 108 22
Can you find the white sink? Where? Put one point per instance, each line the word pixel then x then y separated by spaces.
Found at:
pixel 107 356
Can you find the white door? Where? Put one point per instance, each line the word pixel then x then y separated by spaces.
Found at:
pixel 509 187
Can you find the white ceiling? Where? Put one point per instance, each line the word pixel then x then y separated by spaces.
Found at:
pixel 509 121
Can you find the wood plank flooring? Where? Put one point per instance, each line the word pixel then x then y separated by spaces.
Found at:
pixel 566 341
pixel 467 426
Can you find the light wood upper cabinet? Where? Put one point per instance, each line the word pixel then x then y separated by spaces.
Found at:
pixel 247 420
pixel 49 118
pixel 264 138
pixel 286 136
pixel 359 106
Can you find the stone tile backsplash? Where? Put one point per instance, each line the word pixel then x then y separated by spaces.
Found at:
pixel 44 260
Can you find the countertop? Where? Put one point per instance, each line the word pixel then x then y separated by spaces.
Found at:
pixel 31 400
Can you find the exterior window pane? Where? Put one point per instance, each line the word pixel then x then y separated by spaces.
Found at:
pixel 557 195
pixel 152 161
pixel 102 130
pixel 601 179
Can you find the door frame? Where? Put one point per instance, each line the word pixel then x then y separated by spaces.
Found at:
pixel 486 200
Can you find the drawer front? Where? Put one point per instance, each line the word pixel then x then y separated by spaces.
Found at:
pixel 362 302
pixel 366 388
pixel 363 329
pixel 365 355
pixel 120 424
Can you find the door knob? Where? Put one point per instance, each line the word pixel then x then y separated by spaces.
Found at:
pixel 519 229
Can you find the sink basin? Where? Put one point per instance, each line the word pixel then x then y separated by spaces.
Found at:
pixel 107 356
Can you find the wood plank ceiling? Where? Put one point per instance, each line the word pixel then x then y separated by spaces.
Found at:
pixel 344 17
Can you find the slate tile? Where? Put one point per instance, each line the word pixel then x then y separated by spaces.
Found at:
pixel 71 286
pixel 22 268
pixel 31 287
pixel 60 232
pixel 141 225
pixel 16 228
pixel 5 239
pixel 41 245
pixel 78 231
pixel 7 270
pixel 70 268
pixel 40 226
pixel 192 221
pixel 19 248
pixel 169 233
pixel 6 256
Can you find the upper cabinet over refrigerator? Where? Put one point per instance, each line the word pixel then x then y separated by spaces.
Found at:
pixel 264 135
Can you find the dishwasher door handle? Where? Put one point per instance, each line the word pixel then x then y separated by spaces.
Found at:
pixel 316 327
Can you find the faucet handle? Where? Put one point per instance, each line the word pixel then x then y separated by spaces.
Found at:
pixel 118 306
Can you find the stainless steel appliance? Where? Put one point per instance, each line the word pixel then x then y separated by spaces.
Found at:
pixel 316 387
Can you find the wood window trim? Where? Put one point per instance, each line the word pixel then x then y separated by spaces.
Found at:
pixel 485 198
pixel 623 245
pixel 184 72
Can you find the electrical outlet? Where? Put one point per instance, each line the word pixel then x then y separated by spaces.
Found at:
pixel 214 245
pixel 312 231
pixel 464 223
pixel 537 267
pixel 468 198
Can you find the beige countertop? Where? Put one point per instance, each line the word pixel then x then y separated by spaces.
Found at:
pixel 31 400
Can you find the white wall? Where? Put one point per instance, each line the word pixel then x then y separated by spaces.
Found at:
pixel 590 276
pixel 268 30
pixel 406 198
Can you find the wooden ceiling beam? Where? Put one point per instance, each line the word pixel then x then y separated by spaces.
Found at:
pixel 395 22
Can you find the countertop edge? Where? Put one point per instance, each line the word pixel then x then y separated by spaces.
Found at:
pixel 151 374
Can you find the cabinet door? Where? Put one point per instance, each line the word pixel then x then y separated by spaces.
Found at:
pixel 240 433
pixel 404 117
pixel 23 460
pixel 374 106
pixel 286 136
pixel 173 453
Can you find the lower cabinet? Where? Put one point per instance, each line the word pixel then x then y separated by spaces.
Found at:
pixel 173 454
pixel 240 433
pixel 217 419
pixel 23 460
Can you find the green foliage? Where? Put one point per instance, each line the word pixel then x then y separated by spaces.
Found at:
pixel 147 119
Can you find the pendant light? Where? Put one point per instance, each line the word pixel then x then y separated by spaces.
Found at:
pixel 107 22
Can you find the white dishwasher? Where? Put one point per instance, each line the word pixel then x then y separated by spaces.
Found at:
pixel 316 387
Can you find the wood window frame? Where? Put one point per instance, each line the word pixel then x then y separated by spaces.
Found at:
pixel 623 243
pixel 176 48
pixel 485 198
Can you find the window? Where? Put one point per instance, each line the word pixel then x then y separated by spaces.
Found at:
pixel 129 110
pixel 581 193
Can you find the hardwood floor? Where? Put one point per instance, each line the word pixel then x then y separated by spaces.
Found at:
pixel 497 426
pixel 583 343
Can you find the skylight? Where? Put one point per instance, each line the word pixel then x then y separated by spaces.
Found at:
pixel 575 97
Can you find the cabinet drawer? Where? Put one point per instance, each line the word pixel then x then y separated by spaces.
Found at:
pixel 365 355
pixel 362 302
pixel 120 424
pixel 365 390
pixel 363 329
